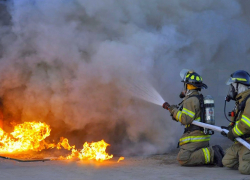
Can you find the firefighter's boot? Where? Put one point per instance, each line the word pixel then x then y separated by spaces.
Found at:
pixel 218 155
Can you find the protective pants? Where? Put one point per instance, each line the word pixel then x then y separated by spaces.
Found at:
pixel 237 157
pixel 196 153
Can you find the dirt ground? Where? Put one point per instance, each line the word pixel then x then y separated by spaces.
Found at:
pixel 140 167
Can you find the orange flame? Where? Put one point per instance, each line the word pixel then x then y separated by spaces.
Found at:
pixel 120 159
pixel 64 142
pixel 31 136
pixel 26 136
pixel 94 150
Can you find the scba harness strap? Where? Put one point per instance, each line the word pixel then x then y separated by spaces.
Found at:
pixel 241 108
pixel 192 127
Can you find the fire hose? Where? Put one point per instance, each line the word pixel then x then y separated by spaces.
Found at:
pixel 24 160
pixel 212 127
pixel 219 129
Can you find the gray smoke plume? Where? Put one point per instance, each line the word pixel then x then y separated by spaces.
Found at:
pixel 67 63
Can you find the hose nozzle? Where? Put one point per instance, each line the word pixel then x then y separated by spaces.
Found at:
pixel 166 105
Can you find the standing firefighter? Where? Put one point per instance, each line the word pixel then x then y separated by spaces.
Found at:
pixel 238 156
pixel 194 143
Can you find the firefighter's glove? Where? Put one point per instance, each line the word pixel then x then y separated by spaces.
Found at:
pixel 173 118
pixel 223 133
pixel 171 108
pixel 227 127
pixel 230 135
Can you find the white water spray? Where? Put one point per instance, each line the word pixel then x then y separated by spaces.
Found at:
pixel 145 91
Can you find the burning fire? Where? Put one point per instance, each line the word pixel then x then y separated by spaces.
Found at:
pixel 31 136
pixel 26 136
pixel 120 159
pixel 91 151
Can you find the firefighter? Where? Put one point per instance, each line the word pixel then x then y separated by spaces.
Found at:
pixel 194 144
pixel 238 156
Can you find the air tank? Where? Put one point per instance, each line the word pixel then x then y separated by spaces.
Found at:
pixel 209 109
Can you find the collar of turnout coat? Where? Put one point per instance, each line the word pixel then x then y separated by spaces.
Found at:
pixel 195 92
pixel 240 97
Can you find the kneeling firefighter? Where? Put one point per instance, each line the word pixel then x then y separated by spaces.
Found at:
pixel 238 156
pixel 194 143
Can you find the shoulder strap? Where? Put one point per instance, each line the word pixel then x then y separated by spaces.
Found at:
pixel 201 100
pixel 188 98
pixel 241 107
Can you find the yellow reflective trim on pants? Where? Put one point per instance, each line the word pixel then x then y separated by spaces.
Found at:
pixel 178 116
pixel 188 112
pixel 206 155
pixel 246 120
pixel 208 152
pixel 237 130
pixel 189 139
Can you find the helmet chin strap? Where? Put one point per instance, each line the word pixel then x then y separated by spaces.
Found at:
pixel 188 92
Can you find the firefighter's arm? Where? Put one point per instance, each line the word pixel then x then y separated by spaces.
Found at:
pixel 172 109
pixel 243 125
pixel 188 113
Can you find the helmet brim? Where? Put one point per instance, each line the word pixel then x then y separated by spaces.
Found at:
pixel 235 80
pixel 183 74
pixel 204 86
pixel 230 81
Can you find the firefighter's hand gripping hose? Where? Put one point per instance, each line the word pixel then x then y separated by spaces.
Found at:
pixel 227 128
pixel 229 135
pixel 219 129
pixel 169 107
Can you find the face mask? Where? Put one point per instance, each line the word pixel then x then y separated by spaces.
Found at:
pixel 232 93
pixel 183 92
pixel 182 95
